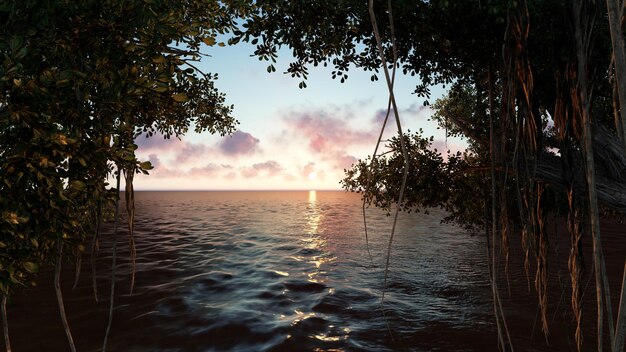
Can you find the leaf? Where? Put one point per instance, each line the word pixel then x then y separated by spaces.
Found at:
pixel 77 185
pixel 146 165
pixel 160 89
pixel 16 42
pixel 31 267
pixel 158 59
pixel 209 41
pixel 67 74
pixel 21 53
pixel 181 97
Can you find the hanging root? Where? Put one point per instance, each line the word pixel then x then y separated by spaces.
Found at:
pixel 620 328
pixel 129 195
pixel 5 324
pixel 504 250
pixel 113 263
pixel 369 170
pixel 94 250
pixel 541 277
pixel 79 260
pixel 59 294
pixel 382 130
pixel 400 133
pixel 575 264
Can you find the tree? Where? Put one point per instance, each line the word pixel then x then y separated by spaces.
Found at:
pixel 79 80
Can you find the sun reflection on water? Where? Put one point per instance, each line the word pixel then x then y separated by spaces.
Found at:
pixel 312 197
pixel 314 240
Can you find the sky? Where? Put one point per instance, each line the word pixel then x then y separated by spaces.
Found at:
pixel 288 138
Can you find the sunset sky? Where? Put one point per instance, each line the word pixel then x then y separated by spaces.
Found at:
pixel 288 138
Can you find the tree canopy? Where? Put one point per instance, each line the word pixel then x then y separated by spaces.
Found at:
pixel 79 80
pixel 538 89
pixel 535 88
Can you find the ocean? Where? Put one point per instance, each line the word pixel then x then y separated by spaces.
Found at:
pixel 272 271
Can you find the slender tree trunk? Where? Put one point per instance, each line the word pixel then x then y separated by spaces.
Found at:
pixel 582 31
pixel 619 56
pixel 5 324
pixel 129 194
pixel 620 329
pixel 59 294
pixel 113 262
pixel 79 261
pixel 398 124
pixel 494 219
pixel 94 250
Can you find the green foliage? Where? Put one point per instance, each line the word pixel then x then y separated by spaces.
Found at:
pixel 453 43
pixel 433 181
pixel 437 41
pixel 78 81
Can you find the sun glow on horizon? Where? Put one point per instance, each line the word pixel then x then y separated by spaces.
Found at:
pixel 312 176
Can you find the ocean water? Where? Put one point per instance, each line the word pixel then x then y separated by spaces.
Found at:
pixel 272 271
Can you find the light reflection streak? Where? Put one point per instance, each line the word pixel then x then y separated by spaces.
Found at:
pixel 314 240
pixel 312 197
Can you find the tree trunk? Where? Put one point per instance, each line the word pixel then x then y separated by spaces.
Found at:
pixel 59 294
pixel 582 30
pixel 619 60
pixel 113 262
pixel 5 324
pixel 620 329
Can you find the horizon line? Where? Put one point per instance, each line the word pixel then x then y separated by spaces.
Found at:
pixel 242 190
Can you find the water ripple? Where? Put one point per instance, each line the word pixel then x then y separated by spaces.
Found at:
pixel 245 271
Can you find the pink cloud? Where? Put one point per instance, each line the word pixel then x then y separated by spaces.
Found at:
pixel 191 151
pixel 184 151
pixel 208 170
pixel 345 161
pixel 415 110
pixel 323 133
pixel 157 142
pixel 307 169
pixel 269 167
pixel 239 143
pixel 329 134
pixel 161 170
pixel 443 148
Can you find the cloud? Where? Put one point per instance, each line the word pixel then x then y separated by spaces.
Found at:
pixel 414 110
pixel 161 170
pixel 192 151
pixel 332 134
pixel 307 169
pixel 345 161
pixel 154 160
pixel 239 143
pixel 269 168
pixel 157 142
pixel 208 170
pixel 310 168
pixel 323 132
pixel 452 146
